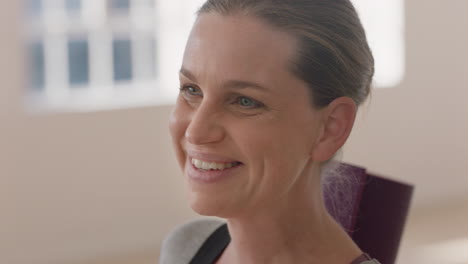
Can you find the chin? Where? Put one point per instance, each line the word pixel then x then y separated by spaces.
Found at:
pixel 205 204
pixel 212 204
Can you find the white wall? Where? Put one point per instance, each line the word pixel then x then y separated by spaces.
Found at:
pixel 416 131
pixel 101 187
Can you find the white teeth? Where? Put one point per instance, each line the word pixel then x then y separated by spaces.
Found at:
pixel 204 165
pixel 197 163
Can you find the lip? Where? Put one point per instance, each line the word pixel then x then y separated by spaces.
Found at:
pixel 208 176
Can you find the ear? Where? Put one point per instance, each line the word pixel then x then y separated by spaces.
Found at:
pixel 338 121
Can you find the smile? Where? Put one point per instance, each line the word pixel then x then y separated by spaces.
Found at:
pixel 207 165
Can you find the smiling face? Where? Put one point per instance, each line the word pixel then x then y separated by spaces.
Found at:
pixel 243 127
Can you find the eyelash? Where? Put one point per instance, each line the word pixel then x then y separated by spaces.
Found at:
pixel 257 104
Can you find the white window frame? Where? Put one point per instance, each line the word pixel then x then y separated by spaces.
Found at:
pixel 55 26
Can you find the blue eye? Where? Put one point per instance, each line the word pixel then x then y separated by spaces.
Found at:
pixel 248 103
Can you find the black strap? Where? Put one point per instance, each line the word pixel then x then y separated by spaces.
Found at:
pixel 213 246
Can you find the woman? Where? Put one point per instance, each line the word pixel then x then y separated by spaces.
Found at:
pixel 269 91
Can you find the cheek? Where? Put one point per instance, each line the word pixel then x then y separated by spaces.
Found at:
pixel 178 123
pixel 175 124
pixel 277 153
pixel 265 148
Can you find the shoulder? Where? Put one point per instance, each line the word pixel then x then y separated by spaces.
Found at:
pixel 184 241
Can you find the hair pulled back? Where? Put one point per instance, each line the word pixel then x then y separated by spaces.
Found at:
pixel 333 57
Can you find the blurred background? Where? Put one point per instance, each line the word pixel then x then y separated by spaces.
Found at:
pixel 87 172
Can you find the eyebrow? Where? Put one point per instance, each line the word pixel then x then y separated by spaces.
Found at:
pixel 230 84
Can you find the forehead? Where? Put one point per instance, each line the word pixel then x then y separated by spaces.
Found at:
pixel 238 47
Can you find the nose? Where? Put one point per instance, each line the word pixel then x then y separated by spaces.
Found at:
pixel 205 126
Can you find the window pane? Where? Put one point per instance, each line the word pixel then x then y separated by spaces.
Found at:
pixel 120 4
pixel 384 24
pixel 78 62
pixel 33 7
pixel 122 52
pixel 73 6
pixel 149 3
pixel 153 57
pixel 36 65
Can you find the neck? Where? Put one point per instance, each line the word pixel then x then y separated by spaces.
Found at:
pixel 296 229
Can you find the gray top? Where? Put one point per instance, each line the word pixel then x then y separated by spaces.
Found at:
pixel 182 244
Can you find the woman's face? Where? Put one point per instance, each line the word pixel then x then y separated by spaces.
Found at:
pixel 243 127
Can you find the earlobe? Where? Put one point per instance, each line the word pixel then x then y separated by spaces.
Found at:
pixel 338 122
